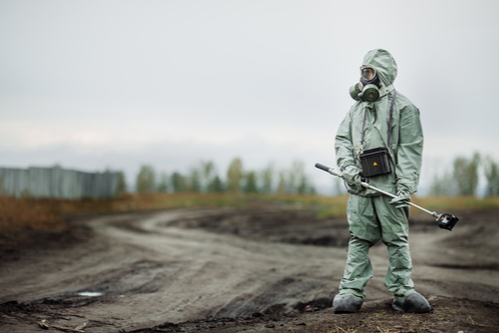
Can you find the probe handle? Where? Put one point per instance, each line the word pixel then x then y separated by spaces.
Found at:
pixel 322 167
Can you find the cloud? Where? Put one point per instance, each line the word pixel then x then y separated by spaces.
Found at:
pixel 119 83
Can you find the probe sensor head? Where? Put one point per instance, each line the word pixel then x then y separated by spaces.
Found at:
pixel 447 221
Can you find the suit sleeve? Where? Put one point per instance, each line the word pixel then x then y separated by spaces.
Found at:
pixel 409 153
pixel 343 145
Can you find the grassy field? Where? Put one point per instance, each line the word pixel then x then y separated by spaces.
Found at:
pixel 29 213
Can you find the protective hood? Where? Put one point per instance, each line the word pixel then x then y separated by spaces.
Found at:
pixel 384 63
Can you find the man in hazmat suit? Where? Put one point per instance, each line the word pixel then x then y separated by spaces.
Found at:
pixel 380 141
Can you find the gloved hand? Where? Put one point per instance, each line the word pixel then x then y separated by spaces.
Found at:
pixel 352 176
pixel 402 199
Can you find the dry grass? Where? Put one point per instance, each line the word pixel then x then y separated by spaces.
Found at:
pixel 26 213
pixel 29 213
pixel 441 204
pixel 338 329
pixel 471 321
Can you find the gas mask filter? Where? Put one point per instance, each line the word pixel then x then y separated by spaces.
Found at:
pixel 367 89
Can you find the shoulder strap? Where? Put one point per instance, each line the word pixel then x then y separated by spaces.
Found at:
pixel 389 139
pixel 363 129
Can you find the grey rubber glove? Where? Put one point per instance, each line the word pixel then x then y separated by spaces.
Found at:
pixel 402 200
pixel 352 176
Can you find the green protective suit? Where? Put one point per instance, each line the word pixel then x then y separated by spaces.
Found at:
pixel 371 217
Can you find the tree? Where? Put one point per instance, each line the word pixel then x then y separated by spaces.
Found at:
pixel 163 184
pixel 305 187
pixel 194 180
pixel 281 189
pixel 234 175
pixel 267 179
pixel 207 174
pixel 466 174
pixel 145 182
pixel 250 182
pixel 491 174
pixel 462 181
pixel 444 186
pixel 295 177
pixel 178 182
pixel 122 184
pixel 216 185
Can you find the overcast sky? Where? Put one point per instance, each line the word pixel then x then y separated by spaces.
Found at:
pixel 116 84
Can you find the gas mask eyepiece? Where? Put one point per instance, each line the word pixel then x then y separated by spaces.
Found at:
pixel 367 89
pixel 368 73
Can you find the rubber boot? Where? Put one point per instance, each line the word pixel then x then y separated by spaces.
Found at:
pixel 346 304
pixel 414 302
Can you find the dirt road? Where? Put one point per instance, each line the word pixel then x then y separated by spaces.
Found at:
pixel 208 267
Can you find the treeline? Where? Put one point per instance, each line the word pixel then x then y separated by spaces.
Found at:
pixel 205 178
pixel 463 179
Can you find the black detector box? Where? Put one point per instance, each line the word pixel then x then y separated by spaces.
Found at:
pixel 375 162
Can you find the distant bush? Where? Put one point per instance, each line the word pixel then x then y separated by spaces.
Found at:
pixel 204 178
pixel 463 180
pixel 146 180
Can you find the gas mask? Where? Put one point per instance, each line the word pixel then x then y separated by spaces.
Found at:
pixel 367 90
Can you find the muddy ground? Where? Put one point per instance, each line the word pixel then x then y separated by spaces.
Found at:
pixel 261 269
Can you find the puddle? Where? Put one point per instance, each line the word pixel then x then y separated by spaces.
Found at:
pixel 89 294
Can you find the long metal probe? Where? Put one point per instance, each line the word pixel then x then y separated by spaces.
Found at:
pixel 338 174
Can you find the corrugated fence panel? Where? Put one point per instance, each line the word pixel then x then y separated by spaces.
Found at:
pixel 40 182
pixel 87 184
pixel 71 184
pixel 55 180
pixel 16 181
pixel 58 183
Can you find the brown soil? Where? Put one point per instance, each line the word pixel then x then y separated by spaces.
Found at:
pixel 263 269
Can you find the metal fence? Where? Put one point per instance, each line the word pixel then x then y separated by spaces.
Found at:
pixel 59 183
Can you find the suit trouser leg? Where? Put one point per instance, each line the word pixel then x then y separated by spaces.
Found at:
pixel 372 218
pixel 365 232
pixel 394 227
